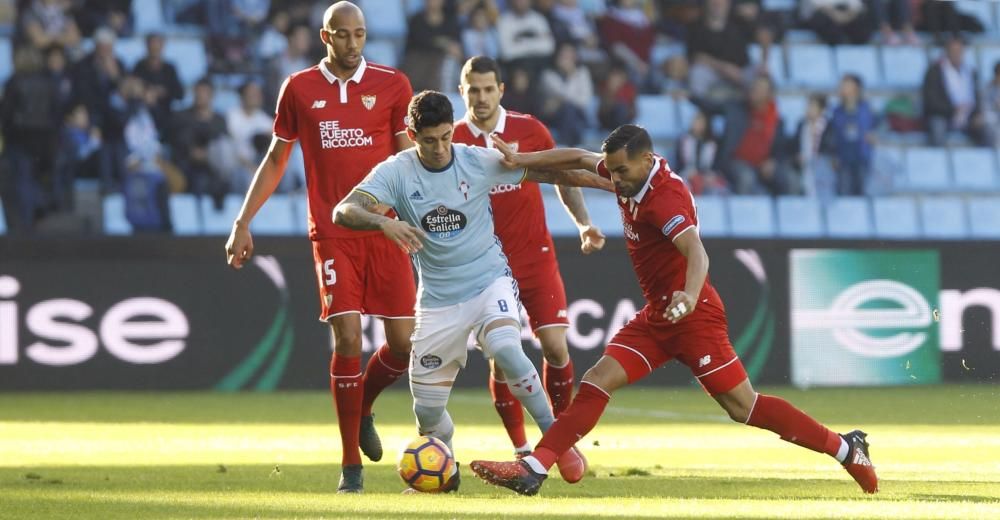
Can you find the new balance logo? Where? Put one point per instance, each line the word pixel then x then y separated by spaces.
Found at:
pixel 319 103
pixel 416 196
pixel 704 361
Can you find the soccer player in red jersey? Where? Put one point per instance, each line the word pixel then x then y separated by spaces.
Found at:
pixel 683 318
pixel 519 220
pixel 347 115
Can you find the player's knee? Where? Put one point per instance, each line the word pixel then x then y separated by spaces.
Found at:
pixel 738 412
pixel 502 338
pixel 347 339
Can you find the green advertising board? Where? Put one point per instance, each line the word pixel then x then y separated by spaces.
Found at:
pixel 864 317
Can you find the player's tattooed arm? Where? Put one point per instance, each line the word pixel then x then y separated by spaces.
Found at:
pixel 554 159
pixel 361 211
pixel 579 177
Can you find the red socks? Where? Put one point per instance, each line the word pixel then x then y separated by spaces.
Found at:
pixel 383 370
pixel 559 385
pixel 510 411
pixel 576 422
pixel 347 389
pixel 793 425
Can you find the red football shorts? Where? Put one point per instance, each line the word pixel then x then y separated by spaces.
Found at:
pixel 541 291
pixel 368 275
pixel 703 345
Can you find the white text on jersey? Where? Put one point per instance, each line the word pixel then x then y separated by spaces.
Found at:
pixel 332 136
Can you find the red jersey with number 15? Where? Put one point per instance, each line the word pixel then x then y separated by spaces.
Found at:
pixel 518 211
pixel 662 210
pixel 345 128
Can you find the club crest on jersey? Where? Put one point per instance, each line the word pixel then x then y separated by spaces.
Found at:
pixel 368 101
pixel 444 223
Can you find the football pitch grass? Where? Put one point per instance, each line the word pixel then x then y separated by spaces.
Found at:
pixel 658 453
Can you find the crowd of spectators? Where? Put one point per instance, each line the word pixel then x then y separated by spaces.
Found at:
pixel 71 109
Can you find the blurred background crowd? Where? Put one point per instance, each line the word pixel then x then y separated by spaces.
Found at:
pixel 133 102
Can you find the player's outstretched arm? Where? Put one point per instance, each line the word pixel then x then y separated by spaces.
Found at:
pixel 578 177
pixel 683 302
pixel 591 238
pixel 239 247
pixel 361 211
pixel 554 159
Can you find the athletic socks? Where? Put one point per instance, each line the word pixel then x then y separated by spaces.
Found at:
pixel 571 426
pixel 510 412
pixel 793 425
pixel 346 387
pixel 559 385
pixel 504 344
pixel 383 369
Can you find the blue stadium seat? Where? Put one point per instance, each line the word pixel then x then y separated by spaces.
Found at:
pixel 943 217
pixel 980 10
pixel 300 214
pixel 658 115
pixel 382 52
pixel 185 214
pixel 188 55
pixel 811 65
pixel 974 168
pixel 927 168
pixel 457 104
pixel 115 222
pixel 225 99
pixel 276 216
pixel 751 216
pixel 130 50
pixel 984 217
pixel 390 21
pixel 602 206
pixel 6 60
pixel 791 109
pixel 663 51
pixel 220 222
pixel 907 63
pixel 860 60
pixel 895 217
pixel 686 111
pixel 799 217
pixel 3 220
pixel 712 221
pixel 147 16
pixel 989 55
pixel 775 62
pixel 848 217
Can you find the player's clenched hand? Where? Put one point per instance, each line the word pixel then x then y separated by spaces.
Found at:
pixel 239 247
pixel 591 239
pixel 407 237
pixel 680 306
pixel 510 157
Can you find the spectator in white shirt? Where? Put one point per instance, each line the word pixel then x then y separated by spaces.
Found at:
pixel 568 90
pixel 525 37
pixel 250 128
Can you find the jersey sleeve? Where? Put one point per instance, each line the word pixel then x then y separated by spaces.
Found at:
pixel 545 140
pixel 602 170
pixel 402 105
pixel 380 184
pixel 496 173
pixel 672 212
pixel 286 123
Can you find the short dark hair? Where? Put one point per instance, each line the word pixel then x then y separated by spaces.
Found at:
pixel 205 81
pixel 856 79
pixel 819 98
pixel 482 65
pixel 633 138
pixel 428 109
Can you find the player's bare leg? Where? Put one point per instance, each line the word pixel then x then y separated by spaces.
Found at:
pixel 346 387
pixel 526 476
pixel 772 413
pixel 386 365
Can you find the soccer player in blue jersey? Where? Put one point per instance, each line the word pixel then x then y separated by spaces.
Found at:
pixel 441 194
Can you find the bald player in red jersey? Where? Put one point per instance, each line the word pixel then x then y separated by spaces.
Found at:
pixel 683 318
pixel 519 221
pixel 348 116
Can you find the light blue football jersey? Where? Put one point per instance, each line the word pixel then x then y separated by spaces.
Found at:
pixel 461 256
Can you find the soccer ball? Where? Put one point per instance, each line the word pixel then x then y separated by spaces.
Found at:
pixel 426 464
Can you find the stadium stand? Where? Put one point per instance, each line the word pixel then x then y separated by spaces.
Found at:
pixel 860 60
pixel 907 64
pixel 6 59
pixel 3 220
pixel 927 169
pixel 751 216
pixel 185 214
pixel 984 217
pixel 974 168
pixel 220 222
pixel 276 217
pixel 811 66
pixel 712 221
pixel 658 115
pixel 114 215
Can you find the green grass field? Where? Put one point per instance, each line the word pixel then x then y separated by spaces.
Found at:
pixel 658 453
